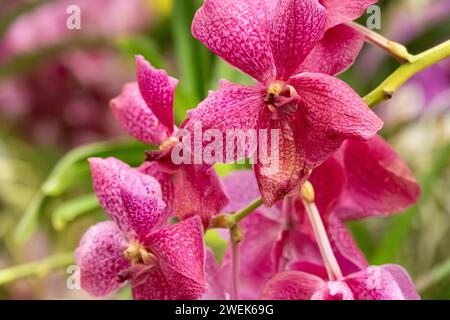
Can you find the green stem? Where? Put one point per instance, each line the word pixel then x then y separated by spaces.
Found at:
pixel 416 64
pixel 397 50
pixel 229 221
pixel 234 269
pixel 38 268
pixel 245 212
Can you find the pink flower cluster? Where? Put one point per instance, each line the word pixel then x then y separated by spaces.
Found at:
pixel 293 49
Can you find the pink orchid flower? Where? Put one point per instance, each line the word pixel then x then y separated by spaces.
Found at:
pixel 313 112
pixel 364 178
pixel 387 282
pixel 145 111
pixel 341 43
pixel 161 262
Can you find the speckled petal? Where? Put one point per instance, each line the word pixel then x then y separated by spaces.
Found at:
pixel 278 175
pixel 335 53
pixel 331 113
pixel 295 27
pixel 388 282
pixel 180 270
pixel 157 90
pixel 334 290
pixel 110 178
pixel 136 117
pixel 198 191
pixel 292 285
pixel 232 30
pixel 339 11
pixel 100 258
pixel 379 182
pixel 165 180
pixel 144 211
pixel 232 107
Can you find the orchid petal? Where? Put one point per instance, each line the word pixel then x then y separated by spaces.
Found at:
pixel 379 182
pixel 295 27
pixel 111 179
pixel 100 258
pixel 180 270
pixel 279 175
pixel 292 285
pixel 335 53
pixel 198 191
pixel 157 90
pixel 332 112
pixel 232 109
pixel 388 282
pixel 232 30
pixel 136 118
pixel 339 11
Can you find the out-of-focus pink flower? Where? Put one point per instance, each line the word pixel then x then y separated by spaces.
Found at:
pixel 425 94
pixel 313 112
pixel 387 282
pixel 145 111
pixel 363 179
pixel 47 25
pixel 63 100
pixel 161 262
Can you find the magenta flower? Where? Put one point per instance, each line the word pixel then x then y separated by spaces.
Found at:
pixel 145 110
pixel 388 282
pixel 161 262
pixel 363 179
pixel 313 112
pixel 341 44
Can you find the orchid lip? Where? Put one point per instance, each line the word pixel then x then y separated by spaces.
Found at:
pixel 281 96
pixel 168 144
pixel 137 254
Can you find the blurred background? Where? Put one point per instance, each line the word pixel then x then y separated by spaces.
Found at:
pixel 55 85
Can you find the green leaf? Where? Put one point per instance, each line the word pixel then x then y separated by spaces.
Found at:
pixel 72 170
pixel 30 219
pixel 67 171
pixel 436 275
pixel 216 243
pixel 37 268
pixel 73 209
pixel 194 60
pixel 131 46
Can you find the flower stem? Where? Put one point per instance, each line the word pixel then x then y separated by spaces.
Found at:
pixel 37 268
pixel 228 221
pixel 416 64
pixel 331 264
pixel 245 212
pixel 234 268
pixel 397 50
